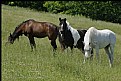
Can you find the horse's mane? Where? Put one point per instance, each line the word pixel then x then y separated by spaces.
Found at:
pixel 91 29
pixel 90 33
pixel 23 23
pixel 68 25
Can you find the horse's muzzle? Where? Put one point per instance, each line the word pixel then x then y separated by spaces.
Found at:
pixel 11 42
pixel 61 32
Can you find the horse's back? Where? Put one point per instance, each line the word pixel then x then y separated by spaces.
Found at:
pixel 45 26
pixel 103 34
pixel 100 37
pixel 109 34
pixel 42 29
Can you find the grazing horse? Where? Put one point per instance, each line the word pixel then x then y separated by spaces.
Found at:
pixel 70 37
pixel 99 39
pixel 32 28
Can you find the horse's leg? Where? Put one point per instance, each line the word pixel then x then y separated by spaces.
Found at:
pixel 109 55
pixel 97 53
pixel 66 49
pixel 71 49
pixel 84 59
pixel 83 54
pixel 112 52
pixel 63 47
pixel 82 47
pixel 32 42
pixel 91 57
pixel 53 43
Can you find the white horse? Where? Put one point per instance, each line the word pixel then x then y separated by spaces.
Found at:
pixel 99 39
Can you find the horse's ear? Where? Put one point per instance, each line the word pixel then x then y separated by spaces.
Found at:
pixel 10 35
pixel 59 19
pixel 64 19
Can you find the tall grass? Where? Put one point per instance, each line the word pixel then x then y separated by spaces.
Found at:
pixel 20 64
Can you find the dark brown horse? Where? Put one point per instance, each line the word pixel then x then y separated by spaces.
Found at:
pixel 32 28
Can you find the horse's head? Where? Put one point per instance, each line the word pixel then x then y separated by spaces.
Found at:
pixel 11 39
pixel 63 25
pixel 89 41
pixel 88 50
pixel 16 34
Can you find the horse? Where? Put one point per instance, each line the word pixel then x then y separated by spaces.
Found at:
pixel 71 37
pixel 32 28
pixel 99 39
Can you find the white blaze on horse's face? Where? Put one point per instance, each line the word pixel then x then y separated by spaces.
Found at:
pixel 61 29
pixel 87 50
pixel 60 33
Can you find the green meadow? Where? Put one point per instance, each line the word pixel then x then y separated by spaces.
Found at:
pixel 20 64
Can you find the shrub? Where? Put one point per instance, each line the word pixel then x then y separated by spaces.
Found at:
pixel 96 10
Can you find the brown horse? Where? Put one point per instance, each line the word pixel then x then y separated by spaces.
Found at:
pixel 32 28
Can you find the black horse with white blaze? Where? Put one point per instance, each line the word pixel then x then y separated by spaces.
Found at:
pixel 70 37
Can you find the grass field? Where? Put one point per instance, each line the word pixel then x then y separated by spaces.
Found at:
pixel 20 64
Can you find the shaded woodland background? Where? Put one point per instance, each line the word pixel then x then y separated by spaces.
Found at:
pixel 109 11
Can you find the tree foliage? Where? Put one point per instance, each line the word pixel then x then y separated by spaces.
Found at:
pixel 97 10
